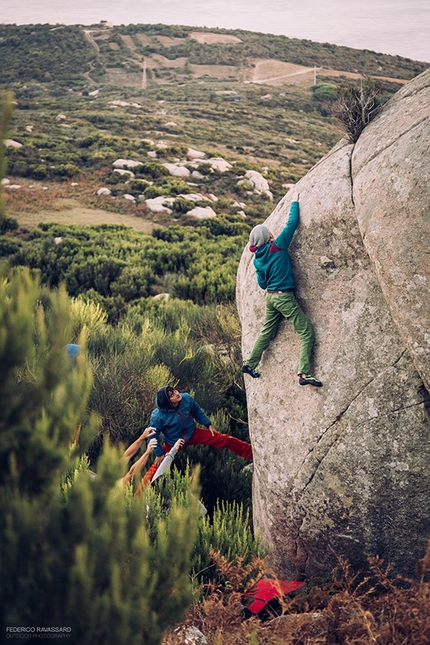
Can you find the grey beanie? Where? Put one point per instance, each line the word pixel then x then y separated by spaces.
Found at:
pixel 259 236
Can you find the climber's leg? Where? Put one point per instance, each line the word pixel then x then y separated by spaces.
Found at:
pixel 220 440
pixel 267 334
pixel 288 306
pixel 147 478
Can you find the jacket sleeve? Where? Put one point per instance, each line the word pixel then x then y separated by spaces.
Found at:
pixel 198 414
pixel 261 278
pixel 156 422
pixel 284 238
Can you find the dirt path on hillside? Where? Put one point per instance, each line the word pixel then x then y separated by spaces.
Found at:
pixel 93 43
pixel 91 40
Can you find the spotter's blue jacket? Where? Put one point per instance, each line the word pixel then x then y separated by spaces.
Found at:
pixel 177 423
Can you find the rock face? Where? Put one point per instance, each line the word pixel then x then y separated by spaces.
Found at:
pixel 343 469
pixel 391 175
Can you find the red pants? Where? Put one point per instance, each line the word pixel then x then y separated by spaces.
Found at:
pixel 205 437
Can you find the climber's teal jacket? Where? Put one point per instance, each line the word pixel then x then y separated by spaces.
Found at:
pixel 177 423
pixel 272 261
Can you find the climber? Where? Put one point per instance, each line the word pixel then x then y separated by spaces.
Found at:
pixel 174 418
pixel 274 273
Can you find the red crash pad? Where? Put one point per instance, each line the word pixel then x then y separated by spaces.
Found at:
pixel 266 590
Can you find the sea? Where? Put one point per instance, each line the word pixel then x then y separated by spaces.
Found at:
pixel 399 27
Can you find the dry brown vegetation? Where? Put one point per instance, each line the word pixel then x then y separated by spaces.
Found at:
pixel 376 608
pixel 73 203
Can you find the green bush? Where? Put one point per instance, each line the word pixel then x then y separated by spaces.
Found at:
pixel 229 533
pixel 88 559
pixel 67 170
pixel 182 205
pixel 324 92
pixel 175 186
pixel 126 378
pixel 8 246
pixel 115 265
pixel 151 169
pixel 154 191
pixel 6 102
pixel 8 224
pixel 138 185
pixel 39 172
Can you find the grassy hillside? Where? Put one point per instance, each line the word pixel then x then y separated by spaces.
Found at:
pixel 154 95
pixel 89 95
pixel 62 53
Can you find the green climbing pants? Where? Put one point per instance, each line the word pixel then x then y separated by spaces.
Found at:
pixel 286 305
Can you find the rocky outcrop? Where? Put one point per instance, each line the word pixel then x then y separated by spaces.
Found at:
pixel 343 470
pixel 126 163
pixel 202 212
pixel 10 143
pixel 176 170
pixel 258 183
pixel 391 178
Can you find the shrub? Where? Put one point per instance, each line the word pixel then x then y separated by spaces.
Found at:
pixel 67 170
pixel 355 107
pixel 86 316
pixel 138 185
pixel 39 172
pixel 6 101
pixel 152 169
pixel 151 192
pixel 324 92
pixel 8 224
pixel 371 607
pixel 100 568
pixel 126 378
pixel 8 246
pixel 175 186
pixel 228 532
pixel 181 205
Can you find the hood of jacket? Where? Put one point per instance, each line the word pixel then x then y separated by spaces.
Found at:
pixel 162 399
pixel 263 252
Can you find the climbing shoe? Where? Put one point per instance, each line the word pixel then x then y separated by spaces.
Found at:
pixel 248 370
pixel 309 380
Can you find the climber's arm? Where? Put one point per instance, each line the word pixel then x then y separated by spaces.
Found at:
pixel 284 238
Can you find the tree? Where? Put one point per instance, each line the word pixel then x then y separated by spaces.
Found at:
pixel 356 106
